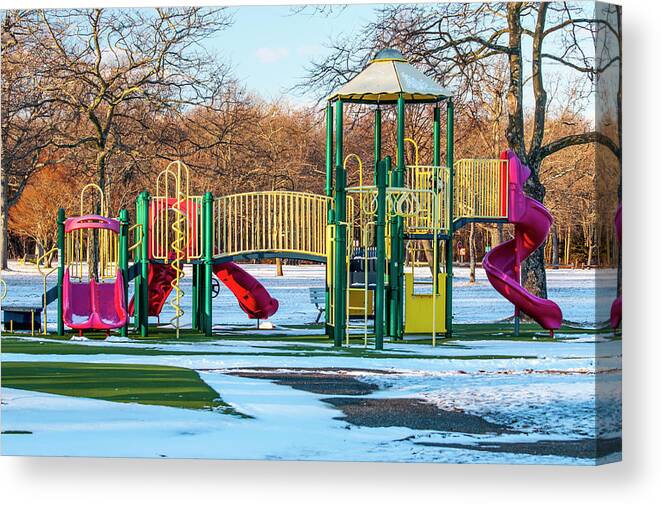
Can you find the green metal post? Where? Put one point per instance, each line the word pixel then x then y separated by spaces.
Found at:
pixel 382 169
pixel 60 270
pixel 449 242
pixel 124 259
pixel 397 234
pixel 329 149
pixel 195 294
pixel 437 136
pixel 136 259
pixel 329 193
pixel 207 251
pixel 437 164
pixel 142 294
pixel 377 143
pixel 340 269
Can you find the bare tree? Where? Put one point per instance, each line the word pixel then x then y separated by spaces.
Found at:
pixel 27 116
pixel 112 69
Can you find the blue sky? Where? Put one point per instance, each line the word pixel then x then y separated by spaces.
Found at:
pixel 269 47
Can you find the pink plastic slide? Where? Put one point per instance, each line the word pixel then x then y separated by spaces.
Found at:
pixel 93 305
pixel 502 264
pixel 616 307
pixel 253 298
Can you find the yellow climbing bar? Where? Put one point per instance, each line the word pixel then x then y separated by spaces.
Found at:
pixel 426 189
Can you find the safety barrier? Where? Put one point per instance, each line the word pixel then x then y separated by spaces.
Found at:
pixel 270 221
pixel 426 188
pixel 480 189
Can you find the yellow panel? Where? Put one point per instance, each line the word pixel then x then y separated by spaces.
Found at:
pixel 419 308
pixel 357 302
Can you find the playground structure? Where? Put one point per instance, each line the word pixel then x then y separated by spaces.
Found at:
pixel 409 203
pixel 362 233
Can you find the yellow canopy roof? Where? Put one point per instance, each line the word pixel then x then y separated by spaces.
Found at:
pixel 386 77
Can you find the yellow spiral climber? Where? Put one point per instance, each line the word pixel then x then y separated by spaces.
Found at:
pixel 178 243
pixel 172 185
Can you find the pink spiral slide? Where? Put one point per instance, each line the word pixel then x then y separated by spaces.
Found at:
pixel 502 264
pixel 616 307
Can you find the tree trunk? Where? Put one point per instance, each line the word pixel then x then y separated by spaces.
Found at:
pixel 590 245
pixel 278 267
pixel 471 253
pixel 429 254
pixel 4 219
pixel 555 252
pixel 101 167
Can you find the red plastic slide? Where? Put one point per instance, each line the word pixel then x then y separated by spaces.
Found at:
pixel 501 264
pixel 159 281
pixel 253 298
pixel 616 307
pixel 94 305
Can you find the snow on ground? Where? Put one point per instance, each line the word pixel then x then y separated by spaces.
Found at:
pixel 292 424
pixel 585 296
pixel 549 396
pixel 544 390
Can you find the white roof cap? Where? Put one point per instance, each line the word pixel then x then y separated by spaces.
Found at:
pixel 387 77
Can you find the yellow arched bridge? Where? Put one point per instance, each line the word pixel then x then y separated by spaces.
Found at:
pixel 269 224
pixel 291 224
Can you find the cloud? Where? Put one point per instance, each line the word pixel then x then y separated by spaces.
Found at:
pixel 271 54
pixel 310 50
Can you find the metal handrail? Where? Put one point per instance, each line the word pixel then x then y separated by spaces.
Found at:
pixel 45 258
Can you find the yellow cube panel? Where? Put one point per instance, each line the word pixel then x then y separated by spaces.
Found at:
pixel 419 308
pixel 357 302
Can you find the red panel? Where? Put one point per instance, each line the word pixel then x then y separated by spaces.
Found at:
pixel 253 298
pixel 159 280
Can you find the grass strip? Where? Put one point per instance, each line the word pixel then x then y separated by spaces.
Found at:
pixel 145 384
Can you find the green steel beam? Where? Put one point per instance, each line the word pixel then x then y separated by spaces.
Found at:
pixel 60 270
pixel 124 259
pixel 437 164
pixel 382 169
pixel 449 243
pixel 142 296
pixel 377 143
pixel 207 251
pixel 195 294
pixel 339 302
pixel 329 193
pixel 397 253
pixel 437 136
pixel 329 149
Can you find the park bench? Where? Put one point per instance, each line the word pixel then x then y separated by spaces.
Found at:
pixel 318 297
pixel 21 318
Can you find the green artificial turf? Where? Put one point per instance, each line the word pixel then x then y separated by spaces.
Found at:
pixel 146 384
pixel 41 347
pixel 299 346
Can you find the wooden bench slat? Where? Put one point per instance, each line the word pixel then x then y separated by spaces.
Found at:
pixel 318 297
